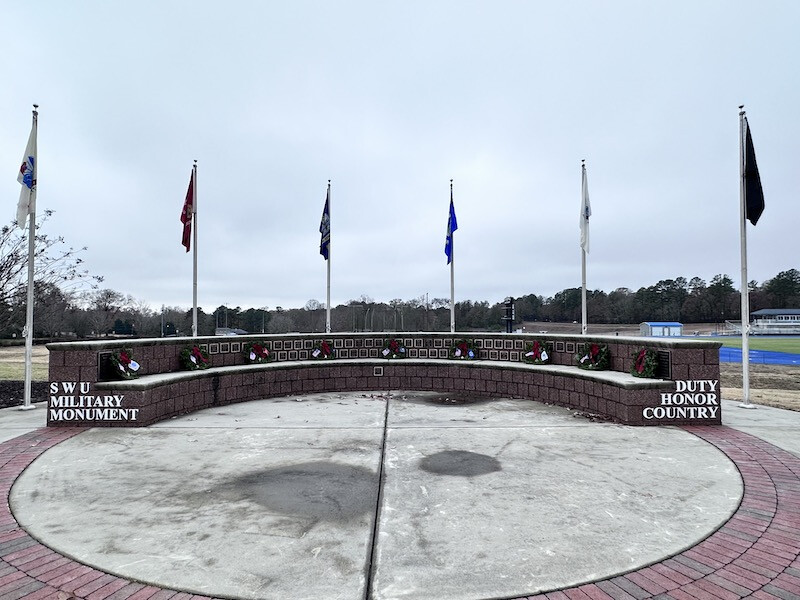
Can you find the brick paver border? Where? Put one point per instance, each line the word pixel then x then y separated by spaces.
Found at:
pixel 755 554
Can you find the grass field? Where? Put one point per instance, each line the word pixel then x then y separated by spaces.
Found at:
pixel 12 363
pixel 781 344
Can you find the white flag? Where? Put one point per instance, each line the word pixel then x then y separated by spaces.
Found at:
pixel 586 212
pixel 27 177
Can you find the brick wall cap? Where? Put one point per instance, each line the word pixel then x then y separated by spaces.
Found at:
pixel 109 344
pixel 616 378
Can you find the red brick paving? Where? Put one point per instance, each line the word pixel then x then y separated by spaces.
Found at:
pixel 755 554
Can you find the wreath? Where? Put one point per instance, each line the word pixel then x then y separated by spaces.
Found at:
pixel 537 352
pixel 393 349
pixel 194 358
pixel 594 358
pixel 125 366
pixel 322 350
pixel 645 363
pixel 257 352
pixel 464 350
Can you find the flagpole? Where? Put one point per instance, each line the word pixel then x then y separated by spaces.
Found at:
pixel 194 253
pixel 328 293
pixel 452 273
pixel 584 242
pixel 31 253
pixel 583 292
pixel 745 293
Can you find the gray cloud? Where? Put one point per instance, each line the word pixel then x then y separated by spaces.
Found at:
pixel 391 101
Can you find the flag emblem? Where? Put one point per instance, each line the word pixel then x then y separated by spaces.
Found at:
pixel 27 172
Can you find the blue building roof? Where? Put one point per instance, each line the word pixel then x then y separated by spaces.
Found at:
pixel 663 324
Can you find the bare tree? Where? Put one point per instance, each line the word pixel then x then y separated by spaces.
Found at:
pixel 104 306
pixel 55 263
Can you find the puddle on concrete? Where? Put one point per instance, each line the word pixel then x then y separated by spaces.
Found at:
pixel 449 399
pixel 460 463
pixel 321 490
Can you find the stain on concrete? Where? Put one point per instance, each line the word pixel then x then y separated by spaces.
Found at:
pixel 460 463
pixel 320 490
pixel 448 399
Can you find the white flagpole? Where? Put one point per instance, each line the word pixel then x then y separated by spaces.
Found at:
pixel 328 293
pixel 584 242
pixel 584 326
pixel 194 253
pixel 745 293
pixel 452 272
pixel 31 253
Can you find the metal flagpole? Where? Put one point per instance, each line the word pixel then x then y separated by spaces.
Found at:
pixel 584 243
pixel 31 252
pixel 583 292
pixel 452 272
pixel 328 294
pixel 745 293
pixel 194 254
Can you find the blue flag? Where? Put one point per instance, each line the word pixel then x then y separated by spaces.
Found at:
pixel 452 225
pixel 325 227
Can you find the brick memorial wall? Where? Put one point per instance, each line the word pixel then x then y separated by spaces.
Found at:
pixel 685 389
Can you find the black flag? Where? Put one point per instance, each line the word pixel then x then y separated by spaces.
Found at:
pixel 753 194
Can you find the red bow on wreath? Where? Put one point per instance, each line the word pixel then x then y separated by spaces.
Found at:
pixel 594 350
pixel 640 361
pixel 260 351
pixel 326 349
pixel 394 346
pixel 537 350
pixel 124 358
pixel 198 355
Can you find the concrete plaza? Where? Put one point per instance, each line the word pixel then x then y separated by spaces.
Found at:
pixel 361 495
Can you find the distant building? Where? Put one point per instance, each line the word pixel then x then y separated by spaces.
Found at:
pixel 660 329
pixel 229 331
pixel 775 321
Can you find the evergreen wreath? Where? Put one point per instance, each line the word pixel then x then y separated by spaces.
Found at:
pixel 194 358
pixel 124 365
pixel 322 350
pixel 537 352
pixel 393 349
pixel 594 358
pixel 645 363
pixel 464 350
pixel 257 352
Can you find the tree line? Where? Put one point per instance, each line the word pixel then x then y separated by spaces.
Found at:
pixel 70 303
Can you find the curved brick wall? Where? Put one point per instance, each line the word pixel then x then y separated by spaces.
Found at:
pixel 166 391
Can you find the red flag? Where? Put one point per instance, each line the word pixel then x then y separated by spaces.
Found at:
pixel 186 215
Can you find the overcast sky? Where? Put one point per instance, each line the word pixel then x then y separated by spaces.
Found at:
pixel 390 100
